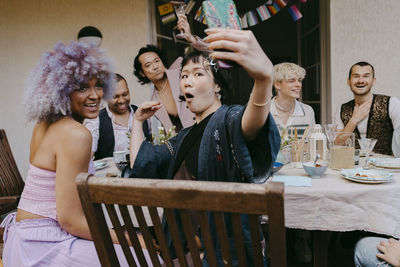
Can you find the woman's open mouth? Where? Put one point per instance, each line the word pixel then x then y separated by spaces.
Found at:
pixel 188 95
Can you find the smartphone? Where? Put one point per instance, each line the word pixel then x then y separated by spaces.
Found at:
pixel 222 14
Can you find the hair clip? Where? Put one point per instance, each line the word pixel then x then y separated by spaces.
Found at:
pixel 212 63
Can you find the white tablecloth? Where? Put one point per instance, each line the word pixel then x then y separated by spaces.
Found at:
pixel 333 203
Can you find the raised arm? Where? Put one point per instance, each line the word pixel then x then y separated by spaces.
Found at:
pixel 244 49
pixel 195 41
pixel 144 112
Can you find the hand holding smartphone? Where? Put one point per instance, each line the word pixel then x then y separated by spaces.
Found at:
pixel 222 14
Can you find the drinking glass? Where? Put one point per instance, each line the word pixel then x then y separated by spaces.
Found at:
pixel 330 131
pixel 121 159
pixel 366 146
pixel 342 150
pixel 296 153
pixel 180 10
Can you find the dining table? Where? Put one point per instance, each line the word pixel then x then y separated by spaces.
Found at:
pixel 333 203
pixel 327 204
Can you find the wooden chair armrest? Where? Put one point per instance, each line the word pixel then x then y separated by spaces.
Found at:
pixel 8 199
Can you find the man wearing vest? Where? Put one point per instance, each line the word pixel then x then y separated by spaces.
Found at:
pixel 369 115
pixel 110 129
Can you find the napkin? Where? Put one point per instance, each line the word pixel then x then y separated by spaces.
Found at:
pixel 292 180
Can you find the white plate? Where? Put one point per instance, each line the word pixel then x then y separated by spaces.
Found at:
pixel 366 181
pixel 98 165
pixel 367 176
pixel 392 163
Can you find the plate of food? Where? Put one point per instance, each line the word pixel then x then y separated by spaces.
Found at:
pixel 367 176
pixel 98 165
pixel 390 163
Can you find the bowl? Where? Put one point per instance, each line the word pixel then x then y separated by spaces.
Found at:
pixel 315 171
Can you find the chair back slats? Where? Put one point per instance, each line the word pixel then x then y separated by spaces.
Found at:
pixel 189 207
pixel 17 182
pixel 175 236
pixel 256 240
pixel 100 234
pixel 148 238
pixel 120 235
pixel 8 185
pixel 203 220
pixel 239 239
pixel 11 183
pixel 276 226
pixel 222 237
pixel 127 220
pixel 162 242
pixel 190 234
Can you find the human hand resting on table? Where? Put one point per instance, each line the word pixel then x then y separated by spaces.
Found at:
pixel 390 252
pixel 243 48
pixel 147 109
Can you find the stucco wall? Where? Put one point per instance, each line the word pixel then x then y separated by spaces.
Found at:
pixel 29 28
pixel 364 30
pixel 360 30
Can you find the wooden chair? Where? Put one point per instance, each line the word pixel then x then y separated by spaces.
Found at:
pixel 11 183
pixel 183 197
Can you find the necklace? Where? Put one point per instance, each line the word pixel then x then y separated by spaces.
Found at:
pixel 282 108
pixel 164 87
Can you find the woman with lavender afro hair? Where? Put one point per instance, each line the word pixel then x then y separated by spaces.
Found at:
pixel 49 227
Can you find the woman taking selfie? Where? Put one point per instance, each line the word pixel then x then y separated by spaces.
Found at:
pixel 227 143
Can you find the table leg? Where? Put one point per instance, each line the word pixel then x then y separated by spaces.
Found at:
pixel 321 242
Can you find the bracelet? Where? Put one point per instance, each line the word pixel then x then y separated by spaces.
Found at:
pixel 261 105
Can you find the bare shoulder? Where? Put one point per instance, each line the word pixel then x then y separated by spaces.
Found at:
pixel 70 131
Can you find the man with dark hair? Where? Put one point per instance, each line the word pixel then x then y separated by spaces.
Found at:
pixel 369 115
pixel 111 129
pixel 149 67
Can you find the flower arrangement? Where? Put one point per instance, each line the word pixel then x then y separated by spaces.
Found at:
pixel 286 139
pixel 160 139
pixel 163 135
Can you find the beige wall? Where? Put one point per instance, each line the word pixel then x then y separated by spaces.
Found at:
pixel 364 30
pixel 29 28
pixel 360 30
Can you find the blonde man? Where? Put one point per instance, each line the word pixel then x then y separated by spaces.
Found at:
pixel 287 111
pixel 285 108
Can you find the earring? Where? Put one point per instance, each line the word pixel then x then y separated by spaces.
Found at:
pixel 218 94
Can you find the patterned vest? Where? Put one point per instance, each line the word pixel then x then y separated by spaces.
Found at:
pixel 379 124
pixel 105 145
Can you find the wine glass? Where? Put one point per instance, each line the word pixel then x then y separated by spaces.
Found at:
pixel 180 10
pixel 330 131
pixel 366 146
pixel 121 159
